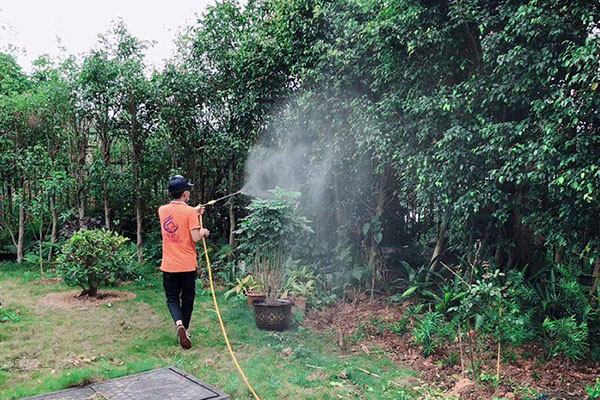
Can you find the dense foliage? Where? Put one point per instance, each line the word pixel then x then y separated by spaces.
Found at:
pixel 91 258
pixel 273 225
pixel 462 138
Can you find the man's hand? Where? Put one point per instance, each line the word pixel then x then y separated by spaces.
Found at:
pixel 199 209
pixel 204 232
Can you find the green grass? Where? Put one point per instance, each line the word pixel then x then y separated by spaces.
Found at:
pixel 52 348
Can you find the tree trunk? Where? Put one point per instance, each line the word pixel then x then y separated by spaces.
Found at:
pixel 92 289
pixel 498 257
pixel 80 207
pixel 105 147
pixel 136 144
pixel 53 234
pixel 231 209
pixel 440 246
pixel 138 219
pixel 372 264
pixel 106 209
pixel 594 288
pixel 559 254
pixel 21 234
pixel 41 233
pixel 80 127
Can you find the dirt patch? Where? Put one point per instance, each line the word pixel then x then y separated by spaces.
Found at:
pixel 28 364
pixel 46 281
pixel 72 299
pixel 363 327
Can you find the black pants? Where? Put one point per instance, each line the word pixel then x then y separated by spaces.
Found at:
pixel 180 288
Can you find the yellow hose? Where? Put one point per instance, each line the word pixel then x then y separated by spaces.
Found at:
pixel 214 296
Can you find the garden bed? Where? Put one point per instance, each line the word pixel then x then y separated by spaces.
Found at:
pixel 363 327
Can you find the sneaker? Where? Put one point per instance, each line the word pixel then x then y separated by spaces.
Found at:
pixel 184 339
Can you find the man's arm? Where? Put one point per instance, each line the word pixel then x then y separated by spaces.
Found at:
pixel 198 234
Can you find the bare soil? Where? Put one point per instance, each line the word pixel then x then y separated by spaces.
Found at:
pixel 356 328
pixel 46 281
pixel 72 299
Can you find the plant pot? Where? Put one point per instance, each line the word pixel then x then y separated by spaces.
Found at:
pixel 299 303
pixel 251 296
pixel 273 317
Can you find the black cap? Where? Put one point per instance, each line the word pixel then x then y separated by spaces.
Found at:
pixel 179 184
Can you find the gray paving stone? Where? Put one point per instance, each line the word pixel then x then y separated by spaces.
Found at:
pixel 162 384
pixel 82 393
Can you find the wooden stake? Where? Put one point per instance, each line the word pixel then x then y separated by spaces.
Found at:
pixel 460 347
pixel 499 342
pixel 368 372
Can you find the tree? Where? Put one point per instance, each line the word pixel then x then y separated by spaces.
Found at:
pixel 99 76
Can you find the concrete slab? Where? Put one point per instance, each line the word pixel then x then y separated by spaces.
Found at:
pixel 162 384
pixel 83 393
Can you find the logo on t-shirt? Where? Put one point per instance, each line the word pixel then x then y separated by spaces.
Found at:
pixel 169 225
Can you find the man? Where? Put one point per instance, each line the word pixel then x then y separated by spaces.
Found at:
pixel 180 230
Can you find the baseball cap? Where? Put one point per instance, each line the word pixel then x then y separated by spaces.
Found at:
pixel 179 184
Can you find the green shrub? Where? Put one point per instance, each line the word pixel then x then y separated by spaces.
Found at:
pixel 400 327
pixel 91 258
pixel 8 315
pixel 567 337
pixel 431 331
pixel 272 224
pixel 568 317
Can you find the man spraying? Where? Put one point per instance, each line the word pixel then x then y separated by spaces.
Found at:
pixel 180 230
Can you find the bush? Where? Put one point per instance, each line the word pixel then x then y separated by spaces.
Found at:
pixel 431 331
pixel 91 258
pixel 567 337
pixel 273 224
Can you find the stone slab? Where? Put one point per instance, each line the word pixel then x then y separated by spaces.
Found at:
pixel 161 384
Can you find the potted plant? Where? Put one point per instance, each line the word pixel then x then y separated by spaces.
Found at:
pixel 272 313
pixel 270 236
pixel 253 296
pixel 248 286
pixel 300 286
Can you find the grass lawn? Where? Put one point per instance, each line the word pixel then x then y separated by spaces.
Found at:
pixel 48 348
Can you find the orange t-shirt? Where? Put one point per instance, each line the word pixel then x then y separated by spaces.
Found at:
pixel 177 220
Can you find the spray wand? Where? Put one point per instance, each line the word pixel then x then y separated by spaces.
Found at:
pixel 213 202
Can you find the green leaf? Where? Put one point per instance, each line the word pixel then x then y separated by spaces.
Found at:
pixel 378 237
pixel 409 291
pixel 365 228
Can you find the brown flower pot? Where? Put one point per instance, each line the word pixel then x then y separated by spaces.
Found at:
pixel 273 317
pixel 251 296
